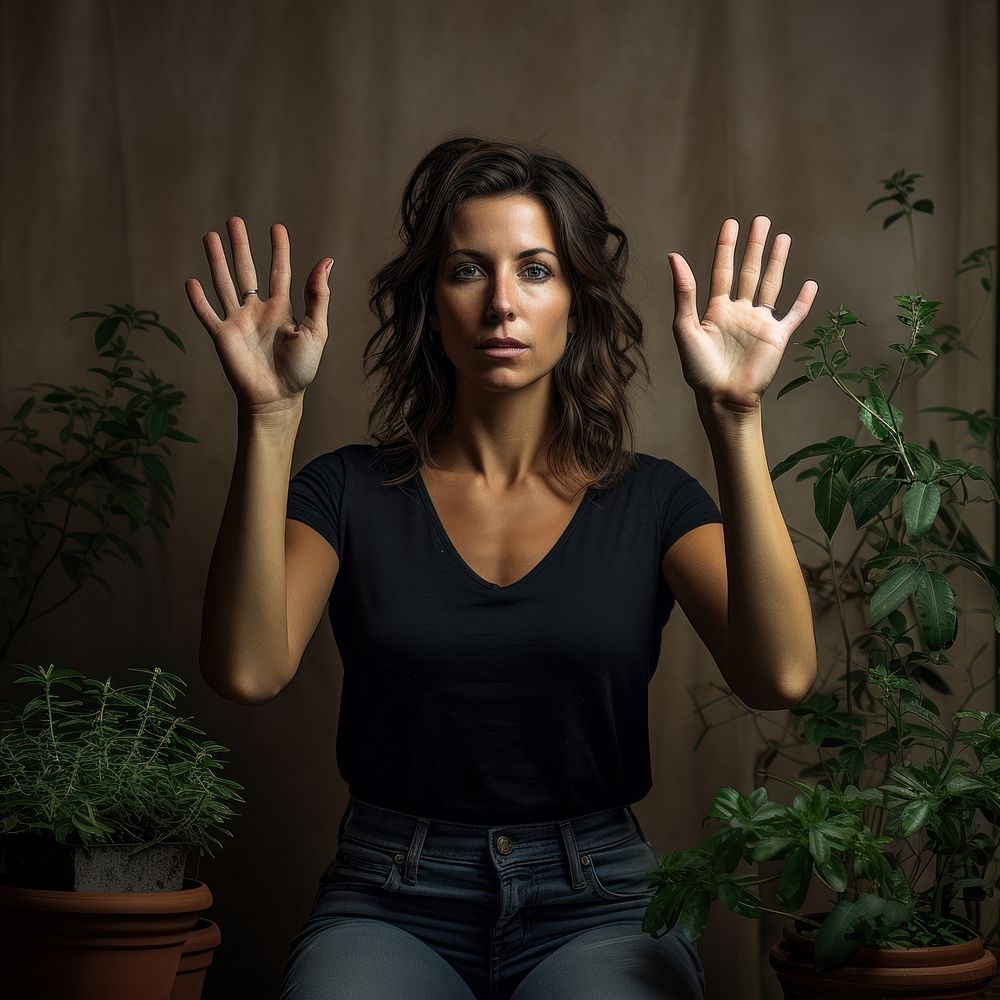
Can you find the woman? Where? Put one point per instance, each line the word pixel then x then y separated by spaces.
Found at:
pixel 498 571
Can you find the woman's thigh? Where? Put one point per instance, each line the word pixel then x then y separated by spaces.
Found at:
pixel 350 958
pixel 619 961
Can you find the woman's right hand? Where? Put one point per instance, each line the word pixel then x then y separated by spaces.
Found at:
pixel 268 358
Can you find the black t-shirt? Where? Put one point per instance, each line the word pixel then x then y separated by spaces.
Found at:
pixel 470 702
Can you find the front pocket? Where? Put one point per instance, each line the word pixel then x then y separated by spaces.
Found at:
pixel 623 872
pixel 361 864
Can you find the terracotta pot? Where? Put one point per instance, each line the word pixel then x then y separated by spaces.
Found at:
pixel 951 970
pixel 195 959
pixel 993 986
pixel 95 945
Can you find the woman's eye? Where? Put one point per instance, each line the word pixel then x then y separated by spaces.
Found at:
pixel 541 267
pixel 541 271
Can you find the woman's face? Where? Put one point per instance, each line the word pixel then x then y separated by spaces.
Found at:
pixel 499 276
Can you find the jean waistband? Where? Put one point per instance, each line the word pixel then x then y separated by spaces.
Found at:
pixel 391 829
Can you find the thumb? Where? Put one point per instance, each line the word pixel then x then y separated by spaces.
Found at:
pixel 685 292
pixel 318 294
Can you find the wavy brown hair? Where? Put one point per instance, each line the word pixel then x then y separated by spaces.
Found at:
pixel 412 411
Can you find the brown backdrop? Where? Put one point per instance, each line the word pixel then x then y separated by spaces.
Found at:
pixel 131 129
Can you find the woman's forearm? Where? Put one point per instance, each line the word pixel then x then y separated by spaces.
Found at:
pixel 244 634
pixel 770 616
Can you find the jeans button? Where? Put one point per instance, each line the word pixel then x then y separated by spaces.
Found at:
pixel 398 859
pixel 504 844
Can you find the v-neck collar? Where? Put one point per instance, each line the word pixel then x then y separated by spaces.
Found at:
pixel 457 556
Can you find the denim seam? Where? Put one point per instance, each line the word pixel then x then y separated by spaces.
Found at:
pixel 413 853
pixel 572 854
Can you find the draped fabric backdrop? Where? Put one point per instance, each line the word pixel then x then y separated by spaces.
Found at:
pixel 131 129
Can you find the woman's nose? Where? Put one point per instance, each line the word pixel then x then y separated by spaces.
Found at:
pixel 501 305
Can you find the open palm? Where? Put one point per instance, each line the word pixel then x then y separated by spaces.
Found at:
pixel 730 355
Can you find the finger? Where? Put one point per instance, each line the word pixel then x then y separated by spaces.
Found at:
pixel 246 274
pixel 722 266
pixel 280 282
pixel 685 293
pixel 770 285
pixel 318 295
pixel 221 278
pixel 800 308
pixel 752 254
pixel 201 306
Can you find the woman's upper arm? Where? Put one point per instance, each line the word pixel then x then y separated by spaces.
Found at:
pixel 695 570
pixel 311 566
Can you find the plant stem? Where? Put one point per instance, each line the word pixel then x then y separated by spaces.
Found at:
pixel 913 247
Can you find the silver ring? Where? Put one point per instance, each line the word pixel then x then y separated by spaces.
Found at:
pixel 250 291
pixel 774 312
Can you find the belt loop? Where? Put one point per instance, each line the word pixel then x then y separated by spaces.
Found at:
pixel 343 821
pixel 572 854
pixel 413 853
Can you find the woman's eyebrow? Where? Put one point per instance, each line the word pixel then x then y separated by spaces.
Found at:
pixel 480 254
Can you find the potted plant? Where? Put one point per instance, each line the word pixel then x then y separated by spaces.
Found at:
pixel 103 798
pixel 869 837
pixel 116 431
pixel 106 795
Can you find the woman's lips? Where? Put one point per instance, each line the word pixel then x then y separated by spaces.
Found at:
pixel 502 352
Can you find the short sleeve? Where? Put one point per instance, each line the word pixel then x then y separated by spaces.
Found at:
pixel 683 504
pixel 316 494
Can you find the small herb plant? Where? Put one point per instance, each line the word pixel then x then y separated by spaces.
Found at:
pixel 870 838
pixel 115 766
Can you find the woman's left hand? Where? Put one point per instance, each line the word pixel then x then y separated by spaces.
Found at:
pixel 730 355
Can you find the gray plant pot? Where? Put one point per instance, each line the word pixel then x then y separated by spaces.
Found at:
pixel 34 861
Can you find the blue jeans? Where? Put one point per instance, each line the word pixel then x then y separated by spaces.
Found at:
pixel 419 909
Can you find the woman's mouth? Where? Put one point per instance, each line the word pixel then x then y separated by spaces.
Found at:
pixel 502 352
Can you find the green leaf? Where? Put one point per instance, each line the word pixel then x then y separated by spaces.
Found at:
pixel 794 384
pixel 978 472
pixel 106 330
pixel 893 591
pixel 880 428
pixel 176 435
pixel 935 601
pixel 24 408
pixel 924 205
pixel 767 848
pixel 878 201
pixel 891 219
pixel 171 336
pixel 921 503
pixel 832 872
pixel 832 946
pixel 796 874
pixel 157 472
pixel 914 817
pixel 830 496
pixel 155 423
pixel 694 914
pixel 819 847
pixel 870 497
